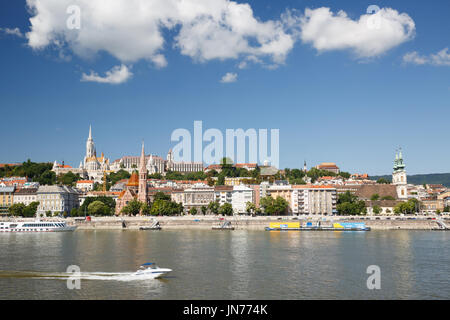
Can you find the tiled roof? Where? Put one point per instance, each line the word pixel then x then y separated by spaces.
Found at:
pixel 85 181
pixel 366 191
pixel 134 180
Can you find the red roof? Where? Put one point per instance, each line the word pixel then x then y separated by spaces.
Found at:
pixel 85 181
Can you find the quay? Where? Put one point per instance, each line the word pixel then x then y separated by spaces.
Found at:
pixel 255 223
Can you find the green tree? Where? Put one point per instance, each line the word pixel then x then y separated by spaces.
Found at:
pixel 377 210
pixel 409 207
pixel 161 196
pixel 375 197
pixel 388 198
pixel 348 204
pixel 16 209
pixel 220 179
pixel 133 207
pixel 145 209
pixel 383 181
pixel 31 209
pixel 98 208
pixel 115 177
pixel 106 200
pixel 193 211
pixel 226 209
pixel 165 208
pixel 68 179
pixel 345 175
pixel 214 206
pixel 250 207
pixel 204 210
pixel 273 206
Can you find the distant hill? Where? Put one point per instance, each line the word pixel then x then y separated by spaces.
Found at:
pixel 432 178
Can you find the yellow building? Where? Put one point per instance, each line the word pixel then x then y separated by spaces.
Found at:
pixel 6 199
pixel 236 181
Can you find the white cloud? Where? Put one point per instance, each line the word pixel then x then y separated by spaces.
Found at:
pixel 229 77
pixel 116 75
pixel 442 58
pixel 134 30
pixel 369 36
pixel 131 30
pixel 15 32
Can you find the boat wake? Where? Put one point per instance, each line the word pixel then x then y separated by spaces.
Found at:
pixel 105 276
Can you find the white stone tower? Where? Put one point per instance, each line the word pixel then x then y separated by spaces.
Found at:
pixel 399 176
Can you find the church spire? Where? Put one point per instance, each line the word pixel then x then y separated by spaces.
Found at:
pixel 142 160
pixel 142 191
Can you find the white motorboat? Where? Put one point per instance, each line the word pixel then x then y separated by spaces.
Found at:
pixel 151 269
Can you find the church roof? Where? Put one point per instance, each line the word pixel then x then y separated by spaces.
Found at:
pixel 134 180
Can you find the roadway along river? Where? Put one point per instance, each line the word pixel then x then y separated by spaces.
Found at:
pixel 227 264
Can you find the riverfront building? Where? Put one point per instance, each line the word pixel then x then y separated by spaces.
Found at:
pixel 6 198
pixel 25 196
pixel 313 200
pixel 56 199
pixel 194 197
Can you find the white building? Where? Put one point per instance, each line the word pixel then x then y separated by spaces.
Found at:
pixel 223 194
pixel 196 196
pixel 240 196
pixel 314 200
pixel 85 185
pixel 25 196
pixel 56 199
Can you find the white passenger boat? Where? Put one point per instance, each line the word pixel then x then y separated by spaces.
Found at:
pixel 151 269
pixel 35 226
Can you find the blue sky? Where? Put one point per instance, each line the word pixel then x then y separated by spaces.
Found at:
pixel 330 106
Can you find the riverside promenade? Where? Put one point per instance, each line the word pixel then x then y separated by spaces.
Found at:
pixel 250 223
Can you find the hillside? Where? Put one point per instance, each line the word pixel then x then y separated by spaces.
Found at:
pixel 432 178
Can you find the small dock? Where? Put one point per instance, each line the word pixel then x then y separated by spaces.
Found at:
pixel 153 226
pixel 442 225
pixel 224 226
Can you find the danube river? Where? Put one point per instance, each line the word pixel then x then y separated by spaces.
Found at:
pixel 227 264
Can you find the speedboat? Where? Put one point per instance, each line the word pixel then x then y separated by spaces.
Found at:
pixel 151 268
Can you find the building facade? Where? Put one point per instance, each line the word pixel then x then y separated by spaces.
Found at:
pixel 194 197
pixel 240 196
pixel 314 200
pixel 6 198
pixel 25 196
pixel 56 199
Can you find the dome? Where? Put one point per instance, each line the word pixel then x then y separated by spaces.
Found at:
pixel 134 180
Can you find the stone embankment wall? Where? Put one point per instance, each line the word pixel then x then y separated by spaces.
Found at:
pixel 239 223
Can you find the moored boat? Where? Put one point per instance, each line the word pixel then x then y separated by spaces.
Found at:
pixel 295 226
pixel 35 226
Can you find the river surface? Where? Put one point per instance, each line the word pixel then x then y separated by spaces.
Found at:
pixel 226 264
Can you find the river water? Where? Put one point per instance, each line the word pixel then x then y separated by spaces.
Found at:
pixel 227 264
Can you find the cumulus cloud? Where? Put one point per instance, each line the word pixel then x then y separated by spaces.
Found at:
pixel 369 36
pixel 229 77
pixel 116 75
pixel 131 30
pixel 12 31
pixel 442 58
pixel 204 30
